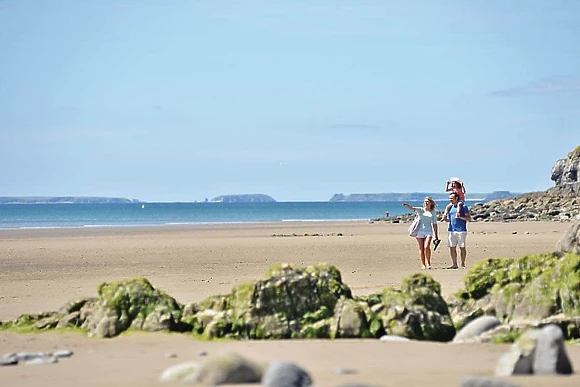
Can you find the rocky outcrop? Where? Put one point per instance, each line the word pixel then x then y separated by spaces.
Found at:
pixel 132 303
pixel 559 203
pixel 566 175
pixel 530 291
pixel 290 302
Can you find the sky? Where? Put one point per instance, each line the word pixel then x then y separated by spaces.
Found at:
pixel 297 99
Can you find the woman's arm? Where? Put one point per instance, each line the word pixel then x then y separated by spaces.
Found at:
pixel 447 188
pixel 408 206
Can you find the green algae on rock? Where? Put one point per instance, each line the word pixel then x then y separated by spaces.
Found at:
pixel 533 290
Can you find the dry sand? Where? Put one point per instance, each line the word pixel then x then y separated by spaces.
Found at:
pixel 42 269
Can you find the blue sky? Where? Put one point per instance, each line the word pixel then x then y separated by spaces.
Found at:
pixel 187 100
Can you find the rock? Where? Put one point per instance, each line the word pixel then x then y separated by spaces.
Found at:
pixel 42 360
pixel 484 381
pixel 285 374
pixel 349 320
pixel 290 302
pixel 570 242
pixel 25 356
pixel 62 353
pixel 179 372
pixel 520 358
pixel 476 328
pixel 131 303
pixel 12 360
pixel 532 290
pixel 550 355
pixel 228 368
pixel 416 311
pixel 394 338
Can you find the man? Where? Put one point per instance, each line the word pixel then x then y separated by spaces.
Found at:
pixel 458 217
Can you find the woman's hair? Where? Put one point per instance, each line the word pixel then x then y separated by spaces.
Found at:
pixel 431 206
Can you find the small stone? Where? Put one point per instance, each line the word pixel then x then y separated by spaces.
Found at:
pixel 394 338
pixel 476 328
pixel 62 353
pixel 9 361
pixel 179 372
pixel 202 353
pixel 484 381
pixel 42 360
pixel 171 355
pixel 285 374
pixel 25 356
pixel 344 371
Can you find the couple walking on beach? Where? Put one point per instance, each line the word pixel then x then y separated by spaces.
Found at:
pixel 456 213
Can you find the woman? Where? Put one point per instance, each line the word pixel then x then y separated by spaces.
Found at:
pixel 427 227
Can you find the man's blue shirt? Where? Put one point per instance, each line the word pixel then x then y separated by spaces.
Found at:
pixel 457 224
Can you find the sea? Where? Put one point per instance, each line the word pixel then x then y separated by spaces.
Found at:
pixel 68 215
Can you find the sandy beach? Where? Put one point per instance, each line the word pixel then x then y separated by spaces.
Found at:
pixel 41 269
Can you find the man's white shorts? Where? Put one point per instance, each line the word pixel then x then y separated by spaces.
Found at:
pixel 456 238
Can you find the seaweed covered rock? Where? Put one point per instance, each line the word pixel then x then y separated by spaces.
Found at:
pixel 289 302
pixel 533 290
pixel 131 303
pixel 417 310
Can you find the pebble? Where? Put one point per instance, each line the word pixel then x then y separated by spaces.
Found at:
pixel 344 371
pixel 34 358
pixel 42 360
pixel 62 353
pixel 8 361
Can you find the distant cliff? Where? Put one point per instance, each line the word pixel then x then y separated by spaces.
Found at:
pixel 62 199
pixel 418 196
pixel 244 198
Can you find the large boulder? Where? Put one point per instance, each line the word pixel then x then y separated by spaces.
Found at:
pixel 533 290
pixel 131 303
pixel 416 311
pixel 289 302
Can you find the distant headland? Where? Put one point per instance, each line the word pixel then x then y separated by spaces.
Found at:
pixel 418 196
pixel 244 198
pixel 63 200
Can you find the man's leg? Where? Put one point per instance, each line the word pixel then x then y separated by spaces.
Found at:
pixel 452 243
pixel 453 253
pixel 463 252
pixel 462 248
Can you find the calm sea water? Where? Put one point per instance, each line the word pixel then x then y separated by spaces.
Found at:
pixel 159 214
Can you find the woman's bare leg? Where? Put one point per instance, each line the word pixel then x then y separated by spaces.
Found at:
pixel 421 243
pixel 428 251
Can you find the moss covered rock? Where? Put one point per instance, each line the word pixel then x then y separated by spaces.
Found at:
pixel 131 303
pixel 417 310
pixel 528 291
pixel 289 302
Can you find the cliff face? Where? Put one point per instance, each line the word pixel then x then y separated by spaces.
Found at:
pixel 566 173
pixel 559 203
